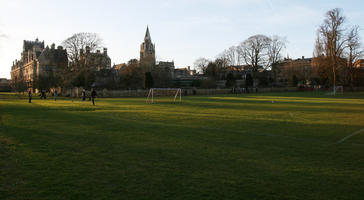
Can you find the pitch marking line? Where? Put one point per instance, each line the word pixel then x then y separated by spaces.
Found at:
pixel 351 135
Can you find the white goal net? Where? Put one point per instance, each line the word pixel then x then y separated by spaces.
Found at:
pixel 338 90
pixel 164 92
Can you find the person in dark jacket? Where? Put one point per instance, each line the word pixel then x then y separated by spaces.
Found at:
pixel 55 94
pixel 93 95
pixel 30 96
pixel 43 94
pixel 83 95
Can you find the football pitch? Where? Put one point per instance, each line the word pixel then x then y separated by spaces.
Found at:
pixel 250 146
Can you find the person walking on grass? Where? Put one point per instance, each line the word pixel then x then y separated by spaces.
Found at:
pixel 83 95
pixel 93 95
pixel 30 96
pixel 55 94
pixel 43 94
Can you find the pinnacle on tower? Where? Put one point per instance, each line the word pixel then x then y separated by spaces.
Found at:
pixel 147 49
pixel 147 35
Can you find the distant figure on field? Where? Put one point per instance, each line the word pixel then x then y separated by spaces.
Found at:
pixel 30 96
pixel 83 95
pixel 43 94
pixel 55 94
pixel 93 95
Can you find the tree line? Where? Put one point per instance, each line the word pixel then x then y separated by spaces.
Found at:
pixel 337 49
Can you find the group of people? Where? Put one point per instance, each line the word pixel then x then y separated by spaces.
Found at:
pixel 91 97
pixel 55 94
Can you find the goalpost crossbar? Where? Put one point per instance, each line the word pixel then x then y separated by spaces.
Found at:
pixel 150 97
pixel 338 89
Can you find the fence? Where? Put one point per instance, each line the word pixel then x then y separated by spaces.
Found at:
pixel 76 92
pixel 143 93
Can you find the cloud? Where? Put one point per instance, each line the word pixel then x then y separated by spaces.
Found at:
pixel 3 36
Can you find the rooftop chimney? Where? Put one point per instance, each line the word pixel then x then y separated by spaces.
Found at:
pixel 105 51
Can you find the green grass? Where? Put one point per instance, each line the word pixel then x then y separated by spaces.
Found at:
pixel 257 146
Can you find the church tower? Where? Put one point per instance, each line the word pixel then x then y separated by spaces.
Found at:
pixel 147 50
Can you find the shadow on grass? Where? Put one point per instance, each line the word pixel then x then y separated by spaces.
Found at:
pixel 89 153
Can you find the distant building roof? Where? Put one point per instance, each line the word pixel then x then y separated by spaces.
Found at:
pixel 28 45
pixel 359 63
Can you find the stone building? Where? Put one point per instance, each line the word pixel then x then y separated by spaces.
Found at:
pixel 166 67
pixel 184 73
pixel 359 73
pixel 37 60
pixel 4 85
pixel 147 50
pixel 162 71
pixel 289 69
pixel 359 63
pixel 95 60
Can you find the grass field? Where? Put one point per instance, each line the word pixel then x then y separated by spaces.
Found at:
pixel 257 146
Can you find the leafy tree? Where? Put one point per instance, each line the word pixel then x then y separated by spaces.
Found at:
pixel 84 78
pixel 45 81
pixel 230 80
pixel 210 83
pixel 249 80
pixel 131 75
pixel 214 68
pixel 196 83
pixel 211 69
pixel 19 85
pixel 148 80
pixel 294 81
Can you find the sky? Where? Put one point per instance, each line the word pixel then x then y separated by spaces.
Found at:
pixel 182 31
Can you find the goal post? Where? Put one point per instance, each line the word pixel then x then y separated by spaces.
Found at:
pixel 338 90
pixel 159 92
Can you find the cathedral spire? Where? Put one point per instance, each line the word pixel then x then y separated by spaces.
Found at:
pixel 147 50
pixel 147 35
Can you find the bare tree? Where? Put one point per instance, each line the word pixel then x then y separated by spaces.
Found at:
pixel 331 37
pixel 254 51
pixel 275 48
pixel 319 47
pixel 322 69
pixel 231 56
pixel 354 52
pixel 79 41
pixel 201 64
